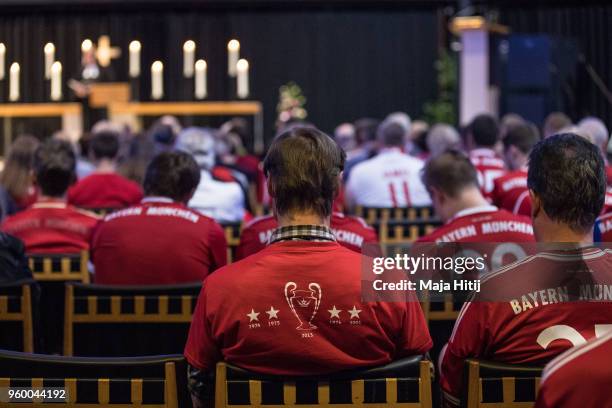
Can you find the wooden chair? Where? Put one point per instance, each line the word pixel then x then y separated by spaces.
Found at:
pixel 101 211
pixel 377 214
pixel 16 306
pixel 151 382
pixel 495 385
pixel 446 310
pixel 402 383
pixel 60 267
pixel 156 319
pixel 232 236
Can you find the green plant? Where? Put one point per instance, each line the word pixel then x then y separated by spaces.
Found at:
pixel 443 109
pixel 291 103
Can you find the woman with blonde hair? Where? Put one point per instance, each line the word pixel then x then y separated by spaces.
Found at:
pixel 17 177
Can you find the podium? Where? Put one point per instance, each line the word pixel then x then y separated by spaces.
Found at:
pixel 70 113
pixel 130 113
pixel 475 97
pixel 103 94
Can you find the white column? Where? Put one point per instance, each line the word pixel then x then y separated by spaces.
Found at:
pixel 474 74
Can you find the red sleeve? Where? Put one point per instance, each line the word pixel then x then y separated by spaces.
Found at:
pixel 468 340
pixel 415 337
pixel 545 397
pixel 248 245
pixel 496 192
pixel 201 350
pixel 218 246
pixel 136 195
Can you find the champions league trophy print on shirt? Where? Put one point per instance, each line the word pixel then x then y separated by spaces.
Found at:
pixel 304 303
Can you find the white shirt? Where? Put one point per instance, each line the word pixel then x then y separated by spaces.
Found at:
pixel 223 201
pixel 390 179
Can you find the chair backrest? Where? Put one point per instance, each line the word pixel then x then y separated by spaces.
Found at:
pixel 16 306
pixel 102 211
pixel 375 214
pixel 397 232
pixel 402 383
pixel 60 267
pixel 446 309
pixel 232 236
pixel 490 385
pixel 155 318
pixel 152 382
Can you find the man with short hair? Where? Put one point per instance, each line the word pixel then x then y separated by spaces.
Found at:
pixel 391 179
pixel 580 377
pixel 160 241
pixel 220 198
pixel 532 310
pixel 295 307
pixel 344 135
pixel 442 137
pixel 482 140
pixel 510 190
pixel 105 188
pixel 554 123
pixel 50 225
pixel 452 182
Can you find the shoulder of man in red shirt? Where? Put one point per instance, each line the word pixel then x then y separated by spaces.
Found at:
pixel 53 227
pixel 105 190
pixel 344 333
pixel 350 231
pixel 510 192
pixel 563 382
pixel 141 236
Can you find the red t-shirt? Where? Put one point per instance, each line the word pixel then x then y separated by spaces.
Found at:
pixel 604 225
pixel 580 377
pixel 510 192
pixel 157 242
pixel 530 314
pixel 351 232
pixel 104 190
pixel 52 227
pixel 295 308
pixel 489 166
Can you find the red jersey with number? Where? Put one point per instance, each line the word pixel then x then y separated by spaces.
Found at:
pixel 563 382
pixel 351 232
pixel 510 192
pixel 155 243
pixel 531 311
pixel 104 190
pixel 51 227
pixel 489 166
pixel 295 309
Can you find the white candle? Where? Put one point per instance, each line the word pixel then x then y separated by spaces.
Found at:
pixel 49 59
pixel 188 58
pixel 86 46
pixel 200 79
pixel 135 59
pixel 233 54
pixel 2 60
pixel 14 82
pixel 242 70
pixel 56 81
pixel 157 80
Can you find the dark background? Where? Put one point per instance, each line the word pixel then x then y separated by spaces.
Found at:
pixel 351 58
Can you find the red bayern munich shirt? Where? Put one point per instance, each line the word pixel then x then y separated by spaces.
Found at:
pixel 52 226
pixel 157 242
pixel 105 190
pixel 261 309
pixel 351 232
pixel 510 192
pixel 531 311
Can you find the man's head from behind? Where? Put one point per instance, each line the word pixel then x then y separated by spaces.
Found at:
pixel 172 175
pixel 391 134
pixel 483 131
pixel 200 143
pixel 303 167
pixel 567 182
pixel 554 122
pixel 54 167
pixel 518 143
pixel 104 145
pixel 451 180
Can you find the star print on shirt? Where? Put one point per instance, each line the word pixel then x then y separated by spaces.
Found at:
pixel 354 312
pixel 272 313
pixel 253 316
pixel 333 312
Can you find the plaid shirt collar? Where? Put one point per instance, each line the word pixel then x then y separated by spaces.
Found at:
pixel 313 233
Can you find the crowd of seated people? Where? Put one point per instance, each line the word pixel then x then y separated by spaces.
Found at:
pixel 167 193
